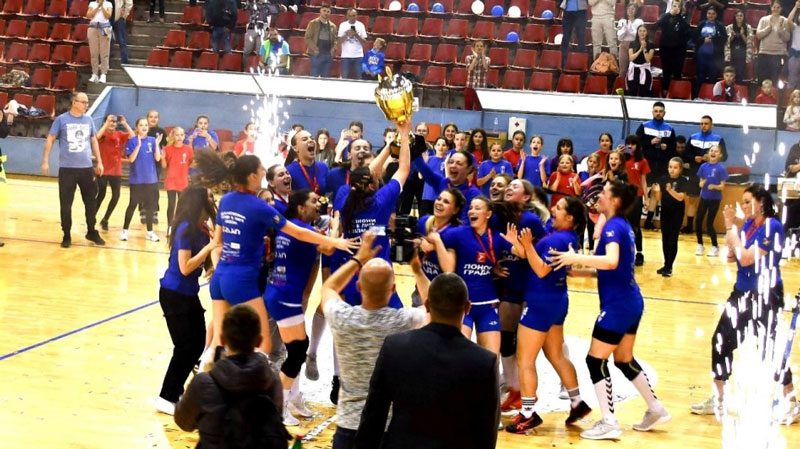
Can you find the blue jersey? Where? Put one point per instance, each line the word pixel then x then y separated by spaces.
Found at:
pixel 617 287
pixel 533 170
pixel 503 166
pixel 143 168
pixel 280 205
pixel 245 220
pixel 337 178
pixel 316 179
pixel 474 260
pixel 294 260
pixel 436 164
pixel 430 261
pixel 554 285
pixel 202 142
pixel 770 238
pixel 714 174
pixel 518 268
pixel 173 278
pixel 441 183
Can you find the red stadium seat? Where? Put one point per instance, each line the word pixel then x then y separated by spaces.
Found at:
pixel 41 79
pixel 33 8
pixel 706 91
pixel 343 5
pixel 77 10
pixel 181 60
pixel 551 60
pixel 174 39
pixel 483 30
pixel 231 62
pixel 17 52
pixel 24 99
pixel 37 31
pixel 47 103
pixel 577 62
pixel 448 7
pixel 368 6
pixel 301 67
pixel 457 29
pixel 569 83
pixel 524 59
pixel 79 34
pixel 11 8
pixel 689 68
pixel 297 45
pixel 458 79
pixel 502 33
pixel 524 9
pixel 411 68
pixel 432 28
pixel 541 6
pixel 407 28
pixel 61 55
pixel 60 32
pixel 383 26
pixel 499 57
pixel 446 54
pixel 513 79
pixel 680 89
pixel 649 14
pixel 66 81
pixel 435 76
pixel 252 64
pixel 192 16
pixel 225 135
pixel 158 58
pixel 542 81
pixel 56 10
pixel 420 53
pixel 3 95
pixel 395 51
pixel 82 58
pixel 16 29
pixel 242 19
pixel 287 20
pixel 207 61
pixel 198 41
pixel 596 84
pixel 492 78
pixel 534 34
pixel 39 53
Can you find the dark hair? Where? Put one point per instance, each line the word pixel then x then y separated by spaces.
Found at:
pixel 328 153
pixel 241 328
pixel 441 138
pixel 470 158
pixel 389 130
pixel 610 137
pixel 448 296
pixel 455 128
pixel 637 44
pixel 577 211
pixel 459 201
pixel 637 153
pixel 627 195
pixel 761 195
pixel 191 204
pixel 736 27
pixel 214 172
pixel 540 195
pixel 659 103
pixel 356 123
pixel 709 117
pixel 484 145
pixel 360 198
pixel 325 5
pixel 519 131
pixel 680 139
pixel 296 199
pixel 562 142
pixel 297 125
pixel 485 200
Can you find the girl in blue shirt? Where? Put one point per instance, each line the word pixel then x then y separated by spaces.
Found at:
pixel 621 308
pixel 446 212
pixel 757 251
pixel 242 222
pixel 201 136
pixel 491 167
pixel 143 153
pixel 436 163
pixel 535 167
pixel 190 245
pixel 459 169
pixel 280 184
pixel 712 182
pixel 542 322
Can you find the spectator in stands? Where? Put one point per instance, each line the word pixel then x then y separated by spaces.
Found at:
pixel 275 53
pixel 449 133
pixel 639 77
pixel 325 149
pixel 793 65
pixel 260 11
pixel 352 37
pixel 791 168
pixel 626 32
pixel 716 5
pixel 152 19
pixel 221 16
pixel 672 47
pixel 248 144
pixel 99 36
pixel 603 26
pixel 242 371
pixel 768 94
pixel 739 47
pixel 373 62
pixel 574 20
pixel 321 42
pixel 725 90
pixel 792 115
pixel 477 67
pixel 709 38
pixel 773 32
pixel 201 136
pixel 122 9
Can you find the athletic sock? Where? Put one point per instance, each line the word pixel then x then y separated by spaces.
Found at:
pixel 574 396
pixel 294 391
pixel 605 397
pixel 317 329
pixel 286 392
pixel 528 405
pixel 642 384
pixel 510 372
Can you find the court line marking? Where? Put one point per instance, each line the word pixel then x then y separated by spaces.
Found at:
pixel 86 245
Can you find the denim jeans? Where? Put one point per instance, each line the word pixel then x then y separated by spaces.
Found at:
pixel 574 22
pixel 344 438
pixel 351 68
pixel 220 38
pixel 121 36
pixel 321 65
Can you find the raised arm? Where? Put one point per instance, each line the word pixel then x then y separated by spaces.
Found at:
pixel 404 166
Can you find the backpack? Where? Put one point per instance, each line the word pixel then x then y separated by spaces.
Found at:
pixel 604 64
pixel 251 421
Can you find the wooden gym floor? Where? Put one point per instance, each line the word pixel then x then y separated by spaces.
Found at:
pixel 83 345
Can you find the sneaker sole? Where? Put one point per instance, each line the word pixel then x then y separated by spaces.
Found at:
pixel 571 422
pixel 509 412
pixel 702 412
pixel 662 420
pixel 302 413
pixel 606 436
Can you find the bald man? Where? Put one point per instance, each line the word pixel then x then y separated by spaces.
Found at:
pixel 358 332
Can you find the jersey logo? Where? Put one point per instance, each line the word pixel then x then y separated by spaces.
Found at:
pixel 276 219
pixel 481 257
pixel 610 234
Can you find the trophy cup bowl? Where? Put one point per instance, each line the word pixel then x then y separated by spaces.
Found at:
pixel 395 97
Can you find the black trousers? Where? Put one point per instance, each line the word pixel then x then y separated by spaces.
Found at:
pixel 103 182
pixel 792 215
pixel 635 219
pixel 187 328
pixel 412 189
pixel 709 207
pixel 590 231
pixel 739 62
pixel 739 315
pixel 172 200
pixel 672 61
pixel 636 89
pixel 768 67
pixel 574 21
pixel 141 194
pixel 160 8
pixel 671 221
pixel 68 180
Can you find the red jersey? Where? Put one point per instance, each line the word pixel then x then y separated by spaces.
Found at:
pixel 513 157
pixel 112 146
pixel 635 171
pixel 565 185
pixel 763 98
pixel 243 147
pixel 603 159
pixel 178 161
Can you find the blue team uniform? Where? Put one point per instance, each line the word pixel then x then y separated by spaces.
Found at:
pixel 546 298
pixel 474 265
pixel 714 174
pixel 765 236
pixel 440 183
pixel 173 278
pixel 245 220
pixel 430 261
pixel 513 290
pixel 336 178
pixel 294 260
pixel 501 167
pixel 436 164
pixel 532 170
pixel 316 180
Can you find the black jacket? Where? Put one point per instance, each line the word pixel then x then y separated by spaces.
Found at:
pixel 443 390
pixel 202 405
pixel 719 40
pixel 221 13
pixel 675 31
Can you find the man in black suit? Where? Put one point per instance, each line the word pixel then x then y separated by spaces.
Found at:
pixel 443 388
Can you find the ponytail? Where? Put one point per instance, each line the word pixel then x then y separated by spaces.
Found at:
pixel 360 197
pixel 214 171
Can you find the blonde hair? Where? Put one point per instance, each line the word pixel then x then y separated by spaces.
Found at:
pixel 794 92
pixel 382 41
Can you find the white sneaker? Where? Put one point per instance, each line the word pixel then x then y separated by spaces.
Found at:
pixel 288 419
pixel 602 431
pixel 312 371
pixel 94 78
pixel 707 407
pixel 123 235
pixel 700 250
pixel 164 406
pixel 714 252
pixel 152 236
pixel 102 79
pixel 652 419
pixel 297 406
pixel 792 416
pixel 293 8
pixel 563 394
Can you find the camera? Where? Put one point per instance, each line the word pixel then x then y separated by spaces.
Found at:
pixel 403 236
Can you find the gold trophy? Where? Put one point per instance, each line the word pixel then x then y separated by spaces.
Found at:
pixel 395 96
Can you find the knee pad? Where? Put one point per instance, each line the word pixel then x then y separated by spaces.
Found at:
pixel 598 369
pixel 295 357
pixel 630 369
pixel 508 343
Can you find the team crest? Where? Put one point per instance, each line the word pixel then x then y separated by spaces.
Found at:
pixel 481 257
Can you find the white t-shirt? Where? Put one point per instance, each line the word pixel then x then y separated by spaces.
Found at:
pixel 351 47
pixel 99 17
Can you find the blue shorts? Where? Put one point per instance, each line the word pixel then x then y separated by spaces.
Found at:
pixel 235 284
pixel 355 300
pixel 619 320
pixel 543 313
pixel 484 317
pixel 280 307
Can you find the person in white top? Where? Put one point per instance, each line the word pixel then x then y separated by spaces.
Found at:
pixel 793 65
pixel 352 37
pixel 99 36
pixel 603 25
pixel 626 32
